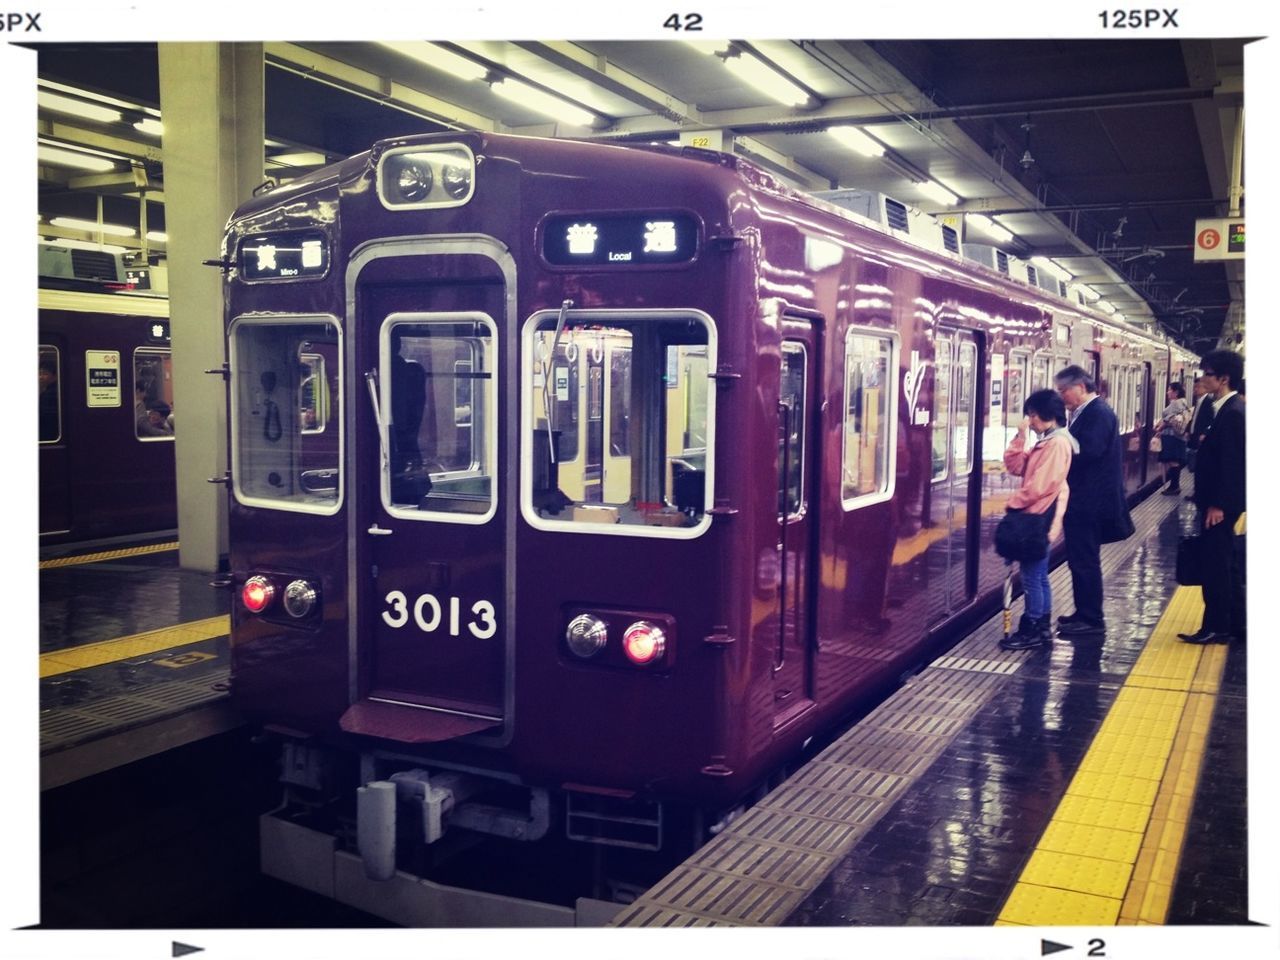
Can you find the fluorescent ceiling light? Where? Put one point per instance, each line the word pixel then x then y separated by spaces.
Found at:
pixel 989 227
pixel 758 74
pixel 157 236
pixel 1105 307
pixel 86 245
pixel 78 108
pixel 544 103
pixel 709 46
pixel 936 191
pixel 856 140
pixel 150 126
pixel 110 229
pixel 74 158
pixel 298 159
pixel 1052 268
pixel 434 55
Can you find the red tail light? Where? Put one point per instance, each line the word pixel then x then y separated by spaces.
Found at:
pixel 644 642
pixel 257 594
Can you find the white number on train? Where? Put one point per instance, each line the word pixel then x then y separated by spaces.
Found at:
pixel 429 614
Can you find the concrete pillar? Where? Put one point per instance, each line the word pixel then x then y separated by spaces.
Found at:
pixel 211 103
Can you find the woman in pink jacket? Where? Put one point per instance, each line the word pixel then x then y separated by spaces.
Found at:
pixel 1043 467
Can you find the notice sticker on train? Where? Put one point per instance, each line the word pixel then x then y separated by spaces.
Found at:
pixel 102 378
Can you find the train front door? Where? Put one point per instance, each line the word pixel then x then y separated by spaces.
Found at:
pixel 434 619
pixel 798 408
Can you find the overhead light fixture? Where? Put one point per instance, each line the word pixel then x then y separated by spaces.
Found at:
pixel 989 227
pixel 74 158
pixel 442 58
pixel 544 103
pixel 157 236
pixel 1052 269
pixel 856 140
pixel 109 229
pixel 756 73
pixel 150 126
pixel 1105 307
pixel 936 191
pixel 78 108
pixel 711 47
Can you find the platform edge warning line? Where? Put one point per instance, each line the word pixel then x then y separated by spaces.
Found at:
pixel 1187 686
pixel 108 555
pixel 69 659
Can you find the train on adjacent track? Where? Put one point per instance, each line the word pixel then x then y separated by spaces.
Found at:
pixel 572 479
pixel 105 372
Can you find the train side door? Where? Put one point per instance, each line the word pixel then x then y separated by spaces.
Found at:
pixel 797 515
pixel 55 470
pixel 434 633
pixel 956 435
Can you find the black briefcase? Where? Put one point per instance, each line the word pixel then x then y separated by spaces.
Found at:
pixel 1189 572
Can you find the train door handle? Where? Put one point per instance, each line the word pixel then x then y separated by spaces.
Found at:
pixel 377 531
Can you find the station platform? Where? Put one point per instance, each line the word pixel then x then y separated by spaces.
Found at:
pixel 1096 781
pixel 134 659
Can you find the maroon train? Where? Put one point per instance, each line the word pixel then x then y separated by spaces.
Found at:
pixel 579 474
pixel 105 471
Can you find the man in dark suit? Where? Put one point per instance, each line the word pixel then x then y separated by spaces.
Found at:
pixel 1220 498
pixel 1201 417
pixel 1096 503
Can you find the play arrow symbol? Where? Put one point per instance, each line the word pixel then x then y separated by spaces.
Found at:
pixel 1048 946
pixel 182 949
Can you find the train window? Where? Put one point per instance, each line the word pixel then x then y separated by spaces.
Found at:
pixel 153 413
pixel 966 365
pixel 441 453
pixel 50 403
pixel 791 422
pixel 277 459
pixel 869 412
pixel 941 437
pixel 639 460
pixel 314 400
pixel 1041 371
pixel 1018 363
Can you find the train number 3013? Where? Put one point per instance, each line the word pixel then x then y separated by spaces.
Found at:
pixel 428 612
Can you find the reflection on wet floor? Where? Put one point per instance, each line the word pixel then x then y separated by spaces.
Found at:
pixel 951 849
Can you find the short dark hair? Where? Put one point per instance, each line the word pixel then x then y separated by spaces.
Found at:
pixel 1047 405
pixel 1225 364
pixel 1178 388
pixel 1074 374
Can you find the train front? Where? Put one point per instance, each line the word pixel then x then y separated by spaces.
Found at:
pixel 477 532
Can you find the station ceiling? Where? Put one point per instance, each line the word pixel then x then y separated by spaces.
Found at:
pixel 1100 155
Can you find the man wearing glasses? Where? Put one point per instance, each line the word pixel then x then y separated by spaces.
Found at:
pixel 1219 496
pixel 1096 511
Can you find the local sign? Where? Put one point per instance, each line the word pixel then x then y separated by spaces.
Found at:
pixel 1221 239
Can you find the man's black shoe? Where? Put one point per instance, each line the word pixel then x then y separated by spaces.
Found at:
pixel 1078 627
pixel 1205 636
pixel 1023 641
pixel 1068 618
pixel 1171 491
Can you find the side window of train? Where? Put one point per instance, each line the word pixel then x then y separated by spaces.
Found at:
pixel 966 369
pixel 1041 371
pixel 791 429
pixel 1019 361
pixel 870 411
pixel 941 434
pixel 439 403
pixel 50 403
pixel 619 409
pixel 279 456
pixel 153 413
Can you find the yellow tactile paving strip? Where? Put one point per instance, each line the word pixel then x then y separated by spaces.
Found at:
pixel 108 555
pixel 1110 854
pixel 127 648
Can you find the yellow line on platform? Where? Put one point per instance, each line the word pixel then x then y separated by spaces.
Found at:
pixel 1110 854
pixel 108 555
pixel 126 648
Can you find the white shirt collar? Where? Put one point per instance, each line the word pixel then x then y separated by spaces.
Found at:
pixel 1217 404
pixel 1080 409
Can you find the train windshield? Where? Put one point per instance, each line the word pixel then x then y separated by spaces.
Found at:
pixel 285 423
pixel 620 409
pixel 438 402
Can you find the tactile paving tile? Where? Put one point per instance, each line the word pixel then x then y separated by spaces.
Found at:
pixel 718 896
pixel 747 857
pixel 64 727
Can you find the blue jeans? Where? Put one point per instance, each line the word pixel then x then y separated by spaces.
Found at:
pixel 1035 582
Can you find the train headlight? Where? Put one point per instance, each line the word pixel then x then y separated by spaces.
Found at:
pixel 586 635
pixel 299 599
pixel 257 594
pixel 427 176
pixel 644 642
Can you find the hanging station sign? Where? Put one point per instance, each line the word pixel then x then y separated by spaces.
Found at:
pixel 1219 239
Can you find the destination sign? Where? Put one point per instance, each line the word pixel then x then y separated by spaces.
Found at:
pixel 284 256
pixel 620 239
